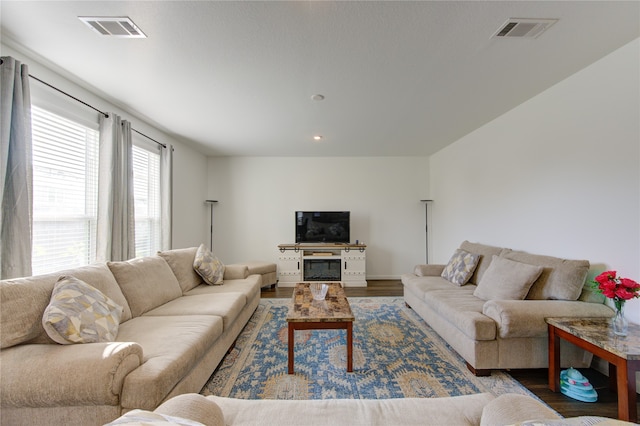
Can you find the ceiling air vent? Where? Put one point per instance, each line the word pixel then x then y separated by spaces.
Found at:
pixel 117 26
pixel 524 28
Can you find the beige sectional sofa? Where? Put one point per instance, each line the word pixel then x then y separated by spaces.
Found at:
pixel 173 333
pixel 494 333
pixel 481 409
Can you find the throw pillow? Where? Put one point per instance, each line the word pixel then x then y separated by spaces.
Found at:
pixel 460 267
pixel 507 279
pixel 80 313
pixel 209 267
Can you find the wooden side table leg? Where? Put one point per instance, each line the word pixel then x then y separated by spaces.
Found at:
pixel 613 378
pixel 290 347
pixel 554 360
pixel 626 377
pixel 349 346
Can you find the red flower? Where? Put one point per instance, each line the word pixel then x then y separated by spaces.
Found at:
pixel 630 284
pixel 606 276
pixel 616 288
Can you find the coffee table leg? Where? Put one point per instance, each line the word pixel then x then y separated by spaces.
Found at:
pixel 290 343
pixel 349 347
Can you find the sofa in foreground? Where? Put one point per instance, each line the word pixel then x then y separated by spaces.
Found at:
pixel 490 304
pixel 172 332
pixel 480 409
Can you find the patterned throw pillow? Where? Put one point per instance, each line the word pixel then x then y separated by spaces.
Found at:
pixel 209 267
pixel 460 267
pixel 80 313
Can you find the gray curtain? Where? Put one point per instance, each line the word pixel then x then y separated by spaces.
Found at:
pixel 166 196
pixel 116 219
pixel 16 170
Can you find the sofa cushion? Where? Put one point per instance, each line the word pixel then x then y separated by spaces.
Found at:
pixel 208 266
pixel 420 286
pixel 172 346
pixel 456 410
pixel 561 279
pixel 460 267
pixel 25 299
pixel 506 280
pixel 249 286
pixel 181 263
pixel 226 305
pixel 463 310
pixel 486 252
pixel 574 421
pixel 80 313
pixel 147 283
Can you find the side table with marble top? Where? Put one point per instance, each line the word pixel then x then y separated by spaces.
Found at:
pixel 596 336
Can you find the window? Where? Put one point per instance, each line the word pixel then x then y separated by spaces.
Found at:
pixel 146 192
pixel 65 186
pixel 65 190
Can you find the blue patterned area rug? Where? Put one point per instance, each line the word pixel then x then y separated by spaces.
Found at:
pixel 395 355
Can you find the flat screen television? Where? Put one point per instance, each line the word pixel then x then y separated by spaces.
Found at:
pixel 322 227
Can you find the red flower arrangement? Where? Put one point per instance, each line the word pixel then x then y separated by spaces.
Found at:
pixel 616 288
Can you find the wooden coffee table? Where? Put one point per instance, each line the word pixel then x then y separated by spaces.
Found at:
pixel 334 312
pixel 596 336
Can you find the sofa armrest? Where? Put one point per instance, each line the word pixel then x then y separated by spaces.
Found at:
pixel 49 375
pixel 525 318
pixel 513 408
pixel 194 407
pixel 431 270
pixel 235 271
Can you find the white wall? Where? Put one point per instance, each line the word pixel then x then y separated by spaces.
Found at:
pixel 258 198
pixel 190 215
pixel 558 175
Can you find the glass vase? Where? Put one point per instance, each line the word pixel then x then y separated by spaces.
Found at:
pixel 620 322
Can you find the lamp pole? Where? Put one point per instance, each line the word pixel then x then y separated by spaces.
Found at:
pixel 426 228
pixel 211 203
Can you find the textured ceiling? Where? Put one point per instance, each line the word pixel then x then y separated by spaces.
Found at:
pixel 400 78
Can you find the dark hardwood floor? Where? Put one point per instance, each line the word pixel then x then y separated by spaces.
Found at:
pixel 533 379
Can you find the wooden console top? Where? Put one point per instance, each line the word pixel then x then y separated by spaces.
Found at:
pixel 329 246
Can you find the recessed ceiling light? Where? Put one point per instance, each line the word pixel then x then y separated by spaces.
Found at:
pixel 317 138
pixel 317 97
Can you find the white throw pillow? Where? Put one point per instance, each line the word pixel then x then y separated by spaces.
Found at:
pixel 507 279
pixel 209 267
pixel 80 313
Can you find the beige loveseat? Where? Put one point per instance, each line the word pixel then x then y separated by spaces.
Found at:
pixel 480 409
pixel 173 333
pixel 493 333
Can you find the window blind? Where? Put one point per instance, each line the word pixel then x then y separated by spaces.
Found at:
pixel 146 190
pixel 65 185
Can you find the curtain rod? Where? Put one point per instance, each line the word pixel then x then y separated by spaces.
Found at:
pixel 92 107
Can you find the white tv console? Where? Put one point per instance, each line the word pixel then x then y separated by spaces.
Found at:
pixel 345 263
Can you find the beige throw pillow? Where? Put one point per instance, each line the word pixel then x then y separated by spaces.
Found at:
pixel 80 313
pixel 209 267
pixel 506 279
pixel 460 267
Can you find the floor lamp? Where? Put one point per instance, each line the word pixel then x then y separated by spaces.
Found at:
pixel 426 227
pixel 211 203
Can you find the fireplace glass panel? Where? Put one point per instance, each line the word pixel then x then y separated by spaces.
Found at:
pixel 321 270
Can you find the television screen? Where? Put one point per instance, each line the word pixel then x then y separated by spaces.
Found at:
pixel 322 227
